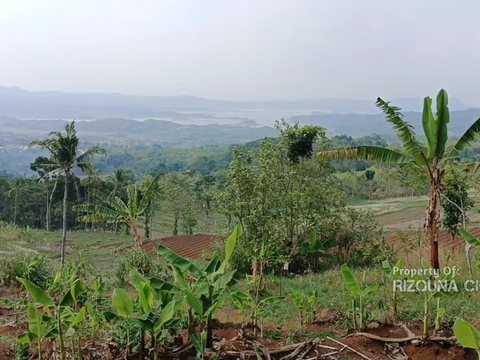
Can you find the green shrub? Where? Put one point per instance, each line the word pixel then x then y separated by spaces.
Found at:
pixel 136 259
pixel 77 268
pixel 30 266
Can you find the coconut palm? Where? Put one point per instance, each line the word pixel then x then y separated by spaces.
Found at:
pixel 118 181
pixel 115 211
pixel 15 189
pixel 92 181
pixel 429 157
pixel 65 157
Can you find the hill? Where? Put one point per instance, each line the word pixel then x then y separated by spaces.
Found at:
pixel 366 124
pixel 16 102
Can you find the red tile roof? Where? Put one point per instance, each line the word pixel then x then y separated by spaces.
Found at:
pixel 187 246
pixel 444 238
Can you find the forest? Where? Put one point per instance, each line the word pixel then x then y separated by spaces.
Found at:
pixel 311 234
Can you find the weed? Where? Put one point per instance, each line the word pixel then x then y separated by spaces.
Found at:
pixel 274 334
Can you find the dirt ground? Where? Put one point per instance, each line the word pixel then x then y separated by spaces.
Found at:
pixel 237 342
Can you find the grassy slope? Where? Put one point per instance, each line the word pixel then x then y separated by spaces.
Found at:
pixel 98 248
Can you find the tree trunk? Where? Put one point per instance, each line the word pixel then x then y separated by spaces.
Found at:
pixel 64 230
pixel 430 227
pixel 15 211
pixel 147 223
pixel 175 227
pixel 137 242
pixel 88 203
pixel 47 215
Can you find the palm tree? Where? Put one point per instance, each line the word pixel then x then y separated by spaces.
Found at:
pixel 115 211
pixel 429 157
pixel 90 182
pixel 43 166
pixel 64 158
pixel 16 188
pixel 118 181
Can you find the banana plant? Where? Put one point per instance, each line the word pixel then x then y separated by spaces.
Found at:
pixel 393 275
pixel 156 310
pixel 467 335
pixel 205 296
pixel 438 294
pixel 124 306
pixel 69 299
pixel 201 346
pixel 40 328
pixel 356 291
pixel 304 303
pixel 258 309
pixel 74 321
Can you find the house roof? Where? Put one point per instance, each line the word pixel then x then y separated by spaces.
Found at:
pixel 187 246
pixel 444 238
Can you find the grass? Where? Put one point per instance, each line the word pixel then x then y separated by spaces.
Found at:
pixel 100 249
pixel 216 223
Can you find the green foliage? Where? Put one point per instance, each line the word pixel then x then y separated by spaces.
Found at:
pixel 30 266
pixel 179 199
pixel 300 141
pixel 393 273
pixel 455 201
pixel 467 335
pixel 204 296
pixel 430 158
pixel 139 260
pixel 22 351
pixel 357 293
pixel 305 303
pixel 279 202
pixel 115 211
pixel 258 309
pixel 360 241
pixel 63 149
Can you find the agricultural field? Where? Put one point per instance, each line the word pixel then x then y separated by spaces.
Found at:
pixel 309 313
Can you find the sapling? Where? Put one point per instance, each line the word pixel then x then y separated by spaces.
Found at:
pixel 258 309
pixel 355 290
pixel 304 303
pixel 69 299
pixel 205 297
pixel 124 306
pixel 392 276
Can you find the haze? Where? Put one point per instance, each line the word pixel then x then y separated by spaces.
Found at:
pixel 244 50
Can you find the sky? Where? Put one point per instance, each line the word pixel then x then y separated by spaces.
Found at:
pixel 243 49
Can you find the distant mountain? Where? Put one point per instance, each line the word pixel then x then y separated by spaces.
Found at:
pixel 18 133
pixel 367 124
pixel 16 102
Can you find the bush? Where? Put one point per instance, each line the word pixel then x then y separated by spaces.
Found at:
pixel 77 268
pixel 136 259
pixel 30 266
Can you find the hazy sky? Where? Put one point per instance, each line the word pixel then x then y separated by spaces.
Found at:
pixel 243 49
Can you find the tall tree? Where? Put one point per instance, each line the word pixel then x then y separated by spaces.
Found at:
pixel 119 180
pixel 279 194
pixel 43 166
pixel 178 196
pixel 65 157
pixel 455 202
pixel 15 189
pixel 429 157
pixel 115 211
pixel 92 181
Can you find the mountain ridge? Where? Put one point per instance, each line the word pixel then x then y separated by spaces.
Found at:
pixel 21 103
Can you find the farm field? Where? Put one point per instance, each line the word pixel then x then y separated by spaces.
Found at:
pixel 331 316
